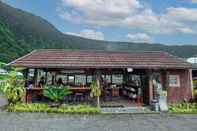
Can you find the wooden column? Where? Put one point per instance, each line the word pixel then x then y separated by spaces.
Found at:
pixel 35 76
pixel 46 72
pixel 150 76
pixel 191 82
pixel 25 73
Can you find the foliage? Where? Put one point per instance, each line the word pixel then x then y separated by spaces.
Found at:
pixel 195 92
pixel 56 94
pixel 4 77
pixel 36 107
pixel 96 91
pixel 13 88
pixel 184 107
pixel 22 32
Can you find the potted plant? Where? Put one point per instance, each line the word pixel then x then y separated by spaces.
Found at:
pixel 56 94
pixel 96 91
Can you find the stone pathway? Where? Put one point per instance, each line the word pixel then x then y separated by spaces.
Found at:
pixel 127 110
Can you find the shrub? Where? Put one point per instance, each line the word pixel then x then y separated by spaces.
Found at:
pixel 184 107
pixel 13 88
pixel 56 94
pixel 96 91
pixel 37 107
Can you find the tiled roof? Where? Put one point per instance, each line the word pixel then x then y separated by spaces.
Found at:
pixel 59 58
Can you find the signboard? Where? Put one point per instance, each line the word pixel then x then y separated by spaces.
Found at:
pixel 163 101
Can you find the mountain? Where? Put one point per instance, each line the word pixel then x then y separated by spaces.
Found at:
pixel 22 32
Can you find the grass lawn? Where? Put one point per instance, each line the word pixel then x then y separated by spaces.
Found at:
pixel 37 107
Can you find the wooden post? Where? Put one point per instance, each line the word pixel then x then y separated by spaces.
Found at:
pixel 46 72
pixel 25 73
pixel 35 76
pixel 150 86
pixel 167 85
pixel 191 82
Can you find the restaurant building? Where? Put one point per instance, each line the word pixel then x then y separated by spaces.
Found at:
pixel 125 75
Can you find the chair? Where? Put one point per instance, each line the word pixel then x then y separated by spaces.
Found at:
pixel 78 97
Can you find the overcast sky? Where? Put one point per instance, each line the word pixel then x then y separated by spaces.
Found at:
pixel 156 21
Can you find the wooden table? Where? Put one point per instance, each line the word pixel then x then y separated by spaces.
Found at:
pixel 39 91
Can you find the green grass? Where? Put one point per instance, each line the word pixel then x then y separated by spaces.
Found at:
pixel 37 107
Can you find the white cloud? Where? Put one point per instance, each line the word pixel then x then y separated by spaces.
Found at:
pixel 130 14
pixel 139 37
pixel 90 34
pixel 194 1
pixel 101 12
pixel 182 14
pixel 71 17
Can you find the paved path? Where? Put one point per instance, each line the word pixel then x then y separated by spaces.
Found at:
pixel 136 110
pixel 60 122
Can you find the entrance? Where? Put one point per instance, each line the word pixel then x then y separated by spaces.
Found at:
pixel 125 89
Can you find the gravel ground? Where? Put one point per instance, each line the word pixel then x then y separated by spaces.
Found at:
pixel 124 122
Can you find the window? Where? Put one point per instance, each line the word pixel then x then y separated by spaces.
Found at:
pixel 63 77
pixel 89 79
pixel 117 79
pixel 135 79
pixel 49 78
pixel 80 79
pixel 174 81
pixel 71 79
pixel 108 78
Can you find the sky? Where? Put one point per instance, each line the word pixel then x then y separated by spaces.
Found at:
pixel 153 21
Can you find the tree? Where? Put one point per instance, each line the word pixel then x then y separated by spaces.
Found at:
pixel 96 91
pixel 13 88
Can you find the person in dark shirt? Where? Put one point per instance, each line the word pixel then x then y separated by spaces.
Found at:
pixel 60 82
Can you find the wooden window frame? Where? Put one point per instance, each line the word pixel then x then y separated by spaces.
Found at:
pixel 178 81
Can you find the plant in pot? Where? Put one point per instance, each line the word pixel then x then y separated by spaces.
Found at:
pixel 13 88
pixel 56 94
pixel 96 91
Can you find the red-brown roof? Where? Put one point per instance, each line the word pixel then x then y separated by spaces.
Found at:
pixel 59 58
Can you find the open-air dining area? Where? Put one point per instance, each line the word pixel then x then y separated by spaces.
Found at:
pixel 117 85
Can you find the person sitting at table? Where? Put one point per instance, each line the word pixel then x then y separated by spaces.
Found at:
pixel 41 83
pixel 60 82
pixel 29 83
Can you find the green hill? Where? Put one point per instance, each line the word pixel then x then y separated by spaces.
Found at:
pixel 21 32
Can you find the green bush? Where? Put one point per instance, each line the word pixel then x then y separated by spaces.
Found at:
pixel 184 107
pixel 195 92
pixel 13 88
pixel 4 77
pixel 37 107
pixel 96 91
pixel 56 94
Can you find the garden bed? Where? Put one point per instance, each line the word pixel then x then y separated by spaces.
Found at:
pixel 37 107
pixel 184 107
